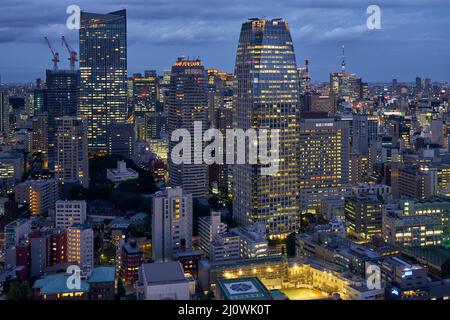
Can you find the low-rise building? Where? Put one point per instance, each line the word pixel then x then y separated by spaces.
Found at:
pixel 163 281
pixel 250 288
pixel 121 173
pixel 131 260
pixel 97 284
pixel 208 228
pixel 242 242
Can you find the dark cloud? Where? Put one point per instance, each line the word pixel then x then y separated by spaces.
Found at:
pixel 159 30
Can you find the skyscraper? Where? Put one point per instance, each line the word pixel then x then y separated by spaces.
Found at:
pixel 267 98
pixel 40 98
pixel 145 94
pixel 4 113
pixel 343 86
pixel 103 68
pixel 40 133
pixel 62 98
pixel 72 163
pixel 364 133
pixel 221 104
pixel 187 103
pixel 324 161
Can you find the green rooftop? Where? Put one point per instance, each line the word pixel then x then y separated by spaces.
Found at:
pixel 250 288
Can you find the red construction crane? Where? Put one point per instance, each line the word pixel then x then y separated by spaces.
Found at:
pixel 72 53
pixel 54 54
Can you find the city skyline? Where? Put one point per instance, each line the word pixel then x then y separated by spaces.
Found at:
pixel 158 34
pixel 271 178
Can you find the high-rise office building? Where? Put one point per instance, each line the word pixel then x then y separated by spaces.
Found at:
pixel 4 113
pixel 324 160
pixel 145 94
pixel 103 69
pixel 344 86
pixel 407 226
pixel 187 103
pixel 40 98
pixel 171 223
pixel 155 125
pixel 419 86
pixel 72 163
pixel 364 132
pixel 40 134
pixel 221 105
pixel 63 92
pixel 121 139
pixel 267 98
pixel 414 182
pixel 363 215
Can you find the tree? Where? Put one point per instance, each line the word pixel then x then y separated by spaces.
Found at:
pixel 20 291
pixel 121 292
pixel 290 244
pixel 445 269
pixel 77 192
pixel 199 210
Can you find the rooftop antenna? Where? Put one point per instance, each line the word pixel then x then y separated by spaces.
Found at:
pixel 343 59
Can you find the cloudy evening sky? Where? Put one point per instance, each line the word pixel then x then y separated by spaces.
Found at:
pixel 413 40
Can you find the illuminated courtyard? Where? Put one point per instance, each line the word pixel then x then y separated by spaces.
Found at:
pixel 304 294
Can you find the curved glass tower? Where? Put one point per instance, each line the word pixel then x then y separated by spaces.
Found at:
pixel 267 98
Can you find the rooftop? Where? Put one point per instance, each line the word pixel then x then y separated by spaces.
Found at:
pixel 57 283
pixel 164 272
pixel 102 274
pixel 250 288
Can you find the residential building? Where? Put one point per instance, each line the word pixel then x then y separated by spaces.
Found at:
pixel 39 195
pixel 171 223
pixel 69 212
pixel 80 245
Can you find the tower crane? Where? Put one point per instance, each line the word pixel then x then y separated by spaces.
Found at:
pixel 54 54
pixel 72 53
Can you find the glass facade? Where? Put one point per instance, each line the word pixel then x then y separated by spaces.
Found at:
pixel 62 99
pixel 103 68
pixel 187 103
pixel 267 98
